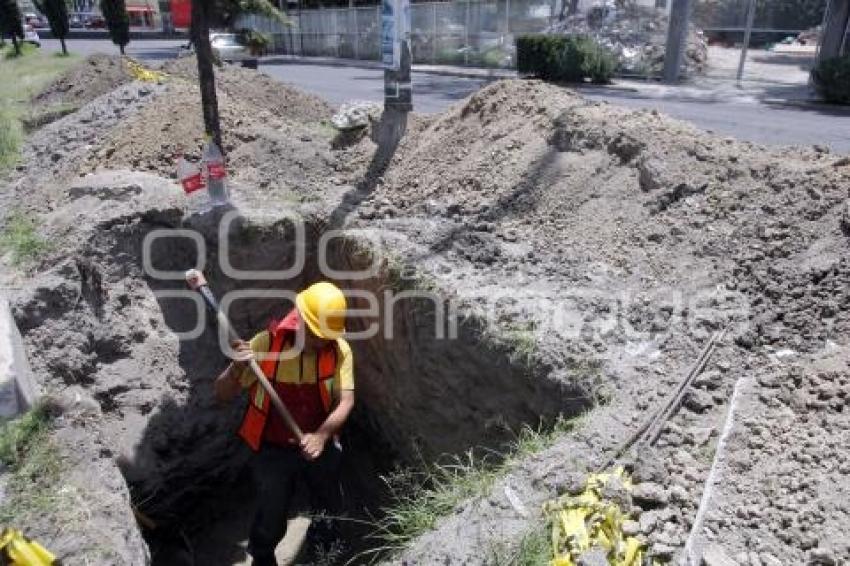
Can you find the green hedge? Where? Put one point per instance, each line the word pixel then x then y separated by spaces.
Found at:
pixel 572 58
pixel 832 79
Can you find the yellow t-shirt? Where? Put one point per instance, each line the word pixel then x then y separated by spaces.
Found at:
pixel 302 368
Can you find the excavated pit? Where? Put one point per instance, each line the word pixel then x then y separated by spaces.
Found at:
pixel 421 393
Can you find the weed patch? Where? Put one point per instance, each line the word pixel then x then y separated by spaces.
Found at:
pixel 422 497
pixel 20 238
pixel 34 467
pixel 20 78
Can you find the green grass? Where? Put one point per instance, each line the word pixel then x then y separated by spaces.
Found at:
pixel 21 78
pixel 534 549
pixel 20 238
pixel 34 466
pixel 422 497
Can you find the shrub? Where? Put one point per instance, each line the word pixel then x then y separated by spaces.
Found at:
pixel 257 42
pixel 831 78
pixel 564 58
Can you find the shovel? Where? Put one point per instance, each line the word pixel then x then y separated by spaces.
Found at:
pixel 197 282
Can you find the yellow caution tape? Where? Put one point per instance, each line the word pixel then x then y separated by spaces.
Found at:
pixel 19 551
pixel 587 521
pixel 142 73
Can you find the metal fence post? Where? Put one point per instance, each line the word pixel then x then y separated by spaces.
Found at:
pixel 434 33
pixel 466 37
pixel 751 14
pixel 356 33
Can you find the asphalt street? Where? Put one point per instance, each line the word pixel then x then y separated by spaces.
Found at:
pixel 749 120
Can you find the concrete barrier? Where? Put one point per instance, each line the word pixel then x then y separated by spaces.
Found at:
pixel 18 389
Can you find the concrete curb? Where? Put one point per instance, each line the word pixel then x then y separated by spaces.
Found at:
pixel 807 104
pixel 18 389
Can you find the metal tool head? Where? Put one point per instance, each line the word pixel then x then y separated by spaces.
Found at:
pixel 195 279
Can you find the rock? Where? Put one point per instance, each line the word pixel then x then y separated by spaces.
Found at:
pixel 663 552
pixel 650 495
pixel 822 557
pixel 698 401
pixel 593 557
pixel 679 494
pixel 714 555
pixel 709 380
pixel 631 528
pixel 647 523
pixel 768 559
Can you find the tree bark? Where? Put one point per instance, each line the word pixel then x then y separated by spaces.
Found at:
pixel 206 75
pixel 121 49
pixel 64 49
pixel 16 44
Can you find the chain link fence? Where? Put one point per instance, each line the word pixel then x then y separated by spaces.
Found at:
pixel 481 33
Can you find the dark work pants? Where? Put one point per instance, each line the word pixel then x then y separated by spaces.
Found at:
pixel 277 470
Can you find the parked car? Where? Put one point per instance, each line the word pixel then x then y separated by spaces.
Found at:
pixel 76 21
pixel 95 22
pixel 35 20
pixel 226 47
pixel 30 35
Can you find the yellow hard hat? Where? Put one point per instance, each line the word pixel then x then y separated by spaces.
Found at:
pixel 322 306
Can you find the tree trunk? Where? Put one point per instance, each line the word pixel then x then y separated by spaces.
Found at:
pixel 64 49
pixel 121 48
pixel 206 75
pixel 16 44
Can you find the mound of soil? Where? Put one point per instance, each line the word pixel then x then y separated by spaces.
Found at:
pixel 257 90
pixel 623 239
pixel 82 83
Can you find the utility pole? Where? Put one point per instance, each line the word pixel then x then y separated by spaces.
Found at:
pixel 206 75
pixel 396 57
pixel 836 22
pixel 395 54
pixel 677 39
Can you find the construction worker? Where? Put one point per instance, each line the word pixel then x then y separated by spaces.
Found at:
pixel 316 383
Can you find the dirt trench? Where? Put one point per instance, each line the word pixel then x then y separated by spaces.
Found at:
pixel 426 370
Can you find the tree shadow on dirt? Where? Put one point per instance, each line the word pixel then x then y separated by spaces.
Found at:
pixel 388 134
pixel 523 197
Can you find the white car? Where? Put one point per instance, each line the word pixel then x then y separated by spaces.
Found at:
pixel 226 47
pixel 30 36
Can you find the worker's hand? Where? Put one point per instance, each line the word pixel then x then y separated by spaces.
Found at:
pixel 313 444
pixel 243 352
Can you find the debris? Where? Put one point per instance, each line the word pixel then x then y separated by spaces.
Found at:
pixel 715 556
pixel 17 550
pixel 355 115
pixel 636 34
pixel 587 528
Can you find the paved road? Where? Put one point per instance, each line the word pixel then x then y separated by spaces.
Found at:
pixel 746 120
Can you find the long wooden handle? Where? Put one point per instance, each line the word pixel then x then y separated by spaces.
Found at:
pixel 198 282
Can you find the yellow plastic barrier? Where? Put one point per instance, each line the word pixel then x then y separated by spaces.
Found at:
pixel 19 551
pixel 586 521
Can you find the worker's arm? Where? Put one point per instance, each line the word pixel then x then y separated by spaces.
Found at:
pixel 228 385
pixel 313 444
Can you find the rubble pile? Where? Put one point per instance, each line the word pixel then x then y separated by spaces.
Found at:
pixel 637 35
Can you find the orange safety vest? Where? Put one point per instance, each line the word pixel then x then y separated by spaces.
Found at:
pixel 259 404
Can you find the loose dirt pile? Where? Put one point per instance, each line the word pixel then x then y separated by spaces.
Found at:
pixel 591 251
pixel 640 236
pixel 98 74
pixel 258 90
